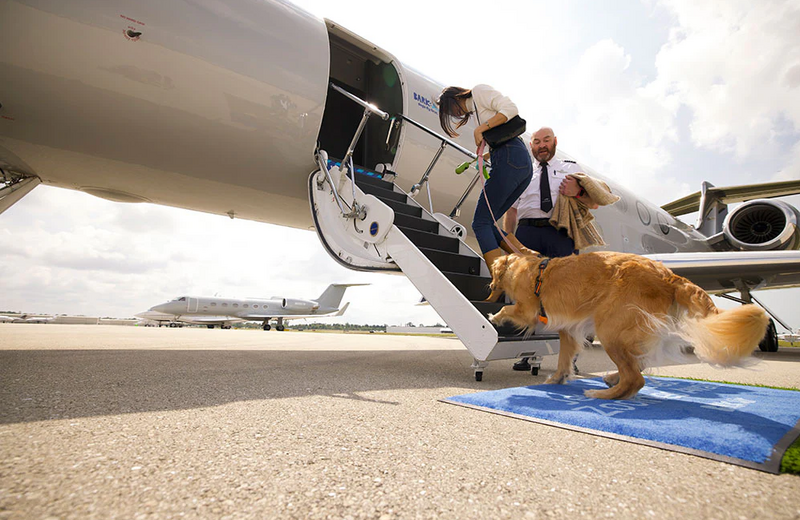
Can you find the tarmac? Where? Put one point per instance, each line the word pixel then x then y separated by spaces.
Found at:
pixel 127 422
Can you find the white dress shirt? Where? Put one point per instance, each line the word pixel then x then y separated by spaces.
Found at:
pixel 528 203
pixel 490 102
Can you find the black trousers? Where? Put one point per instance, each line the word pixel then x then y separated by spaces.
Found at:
pixel 546 240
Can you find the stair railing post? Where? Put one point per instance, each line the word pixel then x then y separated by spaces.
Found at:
pixel 321 162
pixel 457 209
pixel 424 180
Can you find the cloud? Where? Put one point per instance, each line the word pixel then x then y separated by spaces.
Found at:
pixel 735 65
pixel 621 126
pixel 792 168
pixel 68 252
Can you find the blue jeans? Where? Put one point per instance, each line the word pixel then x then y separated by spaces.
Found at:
pixel 549 241
pixel 511 174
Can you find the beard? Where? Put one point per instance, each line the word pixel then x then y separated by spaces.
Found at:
pixel 544 153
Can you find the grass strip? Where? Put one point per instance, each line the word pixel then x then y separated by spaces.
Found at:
pixel 727 382
pixel 790 463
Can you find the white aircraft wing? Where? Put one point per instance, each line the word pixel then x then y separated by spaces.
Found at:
pixel 261 317
pixel 716 272
pixel 733 194
pixel 209 319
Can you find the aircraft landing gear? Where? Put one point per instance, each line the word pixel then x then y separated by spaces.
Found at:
pixel 770 341
pixel 267 326
pixel 279 328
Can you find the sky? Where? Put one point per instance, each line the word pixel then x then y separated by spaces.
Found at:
pixel 659 95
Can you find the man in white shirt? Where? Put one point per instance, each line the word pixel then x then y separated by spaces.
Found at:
pixel 529 217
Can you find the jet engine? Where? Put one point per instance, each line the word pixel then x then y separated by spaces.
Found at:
pixel 298 305
pixel 763 225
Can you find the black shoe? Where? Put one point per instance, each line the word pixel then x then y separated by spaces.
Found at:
pixel 522 365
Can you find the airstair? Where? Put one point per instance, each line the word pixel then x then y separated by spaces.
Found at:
pixel 367 223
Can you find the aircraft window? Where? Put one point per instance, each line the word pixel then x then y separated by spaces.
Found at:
pixel 235 304
pixel 182 299
pixel 662 223
pixel 245 306
pixel 255 306
pixel 213 304
pixel 224 304
pixel 644 213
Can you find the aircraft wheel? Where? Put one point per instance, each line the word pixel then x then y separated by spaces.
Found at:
pixel 534 371
pixel 478 375
pixel 267 327
pixel 770 341
pixel 279 328
pixel 209 326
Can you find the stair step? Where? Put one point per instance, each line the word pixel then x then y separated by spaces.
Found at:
pixel 431 240
pixel 540 337
pixel 453 262
pixel 364 174
pixel 372 180
pixel 473 287
pixel 406 209
pixel 381 193
pixel 407 221
pixel 505 330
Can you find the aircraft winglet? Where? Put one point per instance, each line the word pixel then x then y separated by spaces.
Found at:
pixel 344 307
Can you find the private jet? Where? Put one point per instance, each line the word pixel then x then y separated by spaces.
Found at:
pixel 221 312
pixel 262 111
pixel 26 318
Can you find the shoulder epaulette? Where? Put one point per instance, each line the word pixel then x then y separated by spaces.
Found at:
pixel 567 160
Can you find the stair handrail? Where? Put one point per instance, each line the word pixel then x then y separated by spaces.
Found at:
pixel 444 143
pixel 347 162
pixel 369 109
pixel 369 106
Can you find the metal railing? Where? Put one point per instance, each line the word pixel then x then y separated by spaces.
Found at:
pixel 356 210
pixel 347 161
pixel 444 143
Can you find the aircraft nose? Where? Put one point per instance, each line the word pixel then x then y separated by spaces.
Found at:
pixel 160 308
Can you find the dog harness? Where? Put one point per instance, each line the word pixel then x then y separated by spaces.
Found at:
pixel 537 288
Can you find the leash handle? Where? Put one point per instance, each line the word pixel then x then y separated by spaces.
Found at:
pixel 486 197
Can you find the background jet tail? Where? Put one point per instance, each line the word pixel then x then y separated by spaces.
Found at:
pixel 332 296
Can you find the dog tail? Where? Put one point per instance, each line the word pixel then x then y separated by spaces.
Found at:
pixel 719 337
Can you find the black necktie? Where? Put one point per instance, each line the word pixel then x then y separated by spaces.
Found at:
pixel 546 203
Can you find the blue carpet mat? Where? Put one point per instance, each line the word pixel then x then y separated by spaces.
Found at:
pixel 744 425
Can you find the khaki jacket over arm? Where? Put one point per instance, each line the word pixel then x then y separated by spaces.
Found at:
pixel 571 214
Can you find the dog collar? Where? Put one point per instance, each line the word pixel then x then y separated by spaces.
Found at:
pixel 537 288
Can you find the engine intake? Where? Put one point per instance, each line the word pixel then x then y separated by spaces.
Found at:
pixel 763 225
pixel 298 305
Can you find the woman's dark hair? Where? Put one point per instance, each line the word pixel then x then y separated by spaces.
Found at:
pixel 450 109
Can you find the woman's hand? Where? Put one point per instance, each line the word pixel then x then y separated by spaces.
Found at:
pixel 478 135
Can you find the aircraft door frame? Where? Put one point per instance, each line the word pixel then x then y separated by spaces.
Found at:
pixel 192 305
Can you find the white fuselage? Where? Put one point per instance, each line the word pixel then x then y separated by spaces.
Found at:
pixel 218 107
pixel 255 309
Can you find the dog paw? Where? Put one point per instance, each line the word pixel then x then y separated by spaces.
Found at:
pixel 557 379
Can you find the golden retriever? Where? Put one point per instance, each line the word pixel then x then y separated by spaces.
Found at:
pixel 632 303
